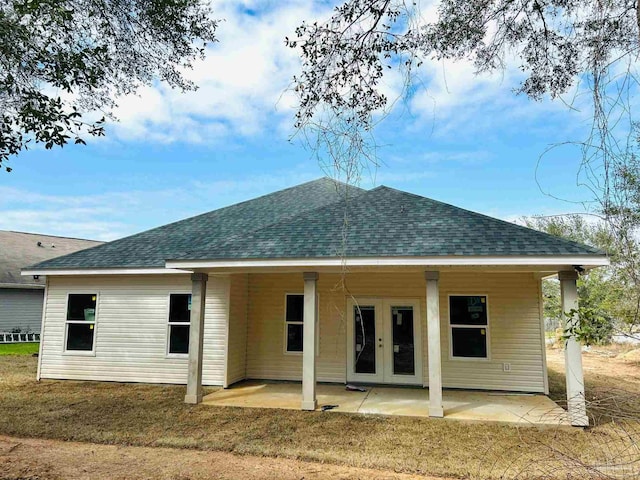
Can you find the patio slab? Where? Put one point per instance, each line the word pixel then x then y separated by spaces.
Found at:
pixel 522 409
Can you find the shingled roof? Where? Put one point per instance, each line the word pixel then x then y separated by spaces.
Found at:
pixel 20 249
pixel 151 248
pixel 307 221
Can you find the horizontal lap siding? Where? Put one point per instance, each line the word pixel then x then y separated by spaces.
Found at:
pixel 21 308
pixel 265 343
pixel 131 330
pixel 514 328
pixel 515 332
pixel 237 347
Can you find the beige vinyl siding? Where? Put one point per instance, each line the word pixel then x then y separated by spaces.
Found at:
pixel 237 329
pixel 514 328
pixel 515 333
pixel 266 356
pixel 131 330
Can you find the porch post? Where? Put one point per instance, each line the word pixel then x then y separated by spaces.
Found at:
pixel 309 401
pixel 433 334
pixel 572 352
pixel 196 337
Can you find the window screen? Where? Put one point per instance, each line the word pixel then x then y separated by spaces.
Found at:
pixel 81 321
pixel 294 322
pixel 468 325
pixel 179 319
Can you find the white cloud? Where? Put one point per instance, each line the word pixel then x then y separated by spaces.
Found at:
pixel 242 81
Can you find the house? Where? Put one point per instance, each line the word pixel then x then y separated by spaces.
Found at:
pixel 322 282
pixel 21 296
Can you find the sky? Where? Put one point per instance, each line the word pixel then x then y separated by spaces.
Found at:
pixel 461 139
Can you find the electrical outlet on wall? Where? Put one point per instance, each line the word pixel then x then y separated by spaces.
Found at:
pixel 506 367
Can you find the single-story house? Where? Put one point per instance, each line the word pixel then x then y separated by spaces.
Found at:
pixel 322 282
pixel 21 296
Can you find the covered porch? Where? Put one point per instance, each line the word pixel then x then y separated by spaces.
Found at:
pixel 513 302
pixel 504 407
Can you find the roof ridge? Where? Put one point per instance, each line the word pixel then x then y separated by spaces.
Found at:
pixel 494 219
pixel 236 238
pixel 53 236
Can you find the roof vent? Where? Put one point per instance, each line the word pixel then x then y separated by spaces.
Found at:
pixel 53 246
pixel 39 244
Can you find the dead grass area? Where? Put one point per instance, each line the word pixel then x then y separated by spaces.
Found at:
pixel 155 416
pixel 37 459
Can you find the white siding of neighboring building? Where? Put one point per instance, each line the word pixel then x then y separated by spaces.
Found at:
pixel 21 309
pixel 131 330
pixel 514 316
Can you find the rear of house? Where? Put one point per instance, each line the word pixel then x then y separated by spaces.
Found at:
pixel 421 293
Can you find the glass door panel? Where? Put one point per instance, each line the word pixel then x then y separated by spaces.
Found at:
pixel 403 341
pixel 365 339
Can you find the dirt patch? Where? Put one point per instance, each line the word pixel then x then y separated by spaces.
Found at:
pixel 32 459
pixel 603 367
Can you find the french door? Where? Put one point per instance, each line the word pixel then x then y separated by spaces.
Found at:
pixel 384 341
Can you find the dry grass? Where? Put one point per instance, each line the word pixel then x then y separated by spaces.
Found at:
pixel 151 415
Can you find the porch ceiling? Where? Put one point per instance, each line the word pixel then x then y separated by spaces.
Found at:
pixel 520 409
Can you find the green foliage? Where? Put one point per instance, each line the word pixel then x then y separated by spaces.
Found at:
pixel 19 348
pixel 556 42
pixel 607 296
pixel 551 300
pixel 63 60
pixel 593 325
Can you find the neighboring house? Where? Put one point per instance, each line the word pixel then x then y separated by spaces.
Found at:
pixel 319 282
pixel 21 296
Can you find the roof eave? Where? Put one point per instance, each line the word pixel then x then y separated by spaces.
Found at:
pixel 187 266
pixel 102 271
pixel 584 261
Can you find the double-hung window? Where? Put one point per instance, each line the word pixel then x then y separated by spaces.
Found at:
pixel 469 326
pixel 294 326
pixel 81 322
pixel 179 319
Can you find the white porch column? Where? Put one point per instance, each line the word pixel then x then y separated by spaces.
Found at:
pixel 196 337
pixel 433 335
pixel 310 319
pixel 572 353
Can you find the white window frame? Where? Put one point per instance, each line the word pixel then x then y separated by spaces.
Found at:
pixel 168 354
pixel 85 353
pixel 451 327
pixel 285 332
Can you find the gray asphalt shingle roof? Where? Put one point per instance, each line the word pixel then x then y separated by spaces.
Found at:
pixel 307 222
pixel 21 249
pixel 152 247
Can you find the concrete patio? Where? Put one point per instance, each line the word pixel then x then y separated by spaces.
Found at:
pixel 513 408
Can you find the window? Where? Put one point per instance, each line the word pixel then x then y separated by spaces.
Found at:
pixel 469 326
pixel 293 322
pixel 81 322
pixel 179 318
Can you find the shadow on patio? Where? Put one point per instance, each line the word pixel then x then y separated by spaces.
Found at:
pixel 522 409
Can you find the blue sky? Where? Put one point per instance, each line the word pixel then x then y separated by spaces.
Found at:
pixel 461 139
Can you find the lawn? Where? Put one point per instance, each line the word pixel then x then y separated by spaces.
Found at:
pixel 151 415
pixel 19 348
